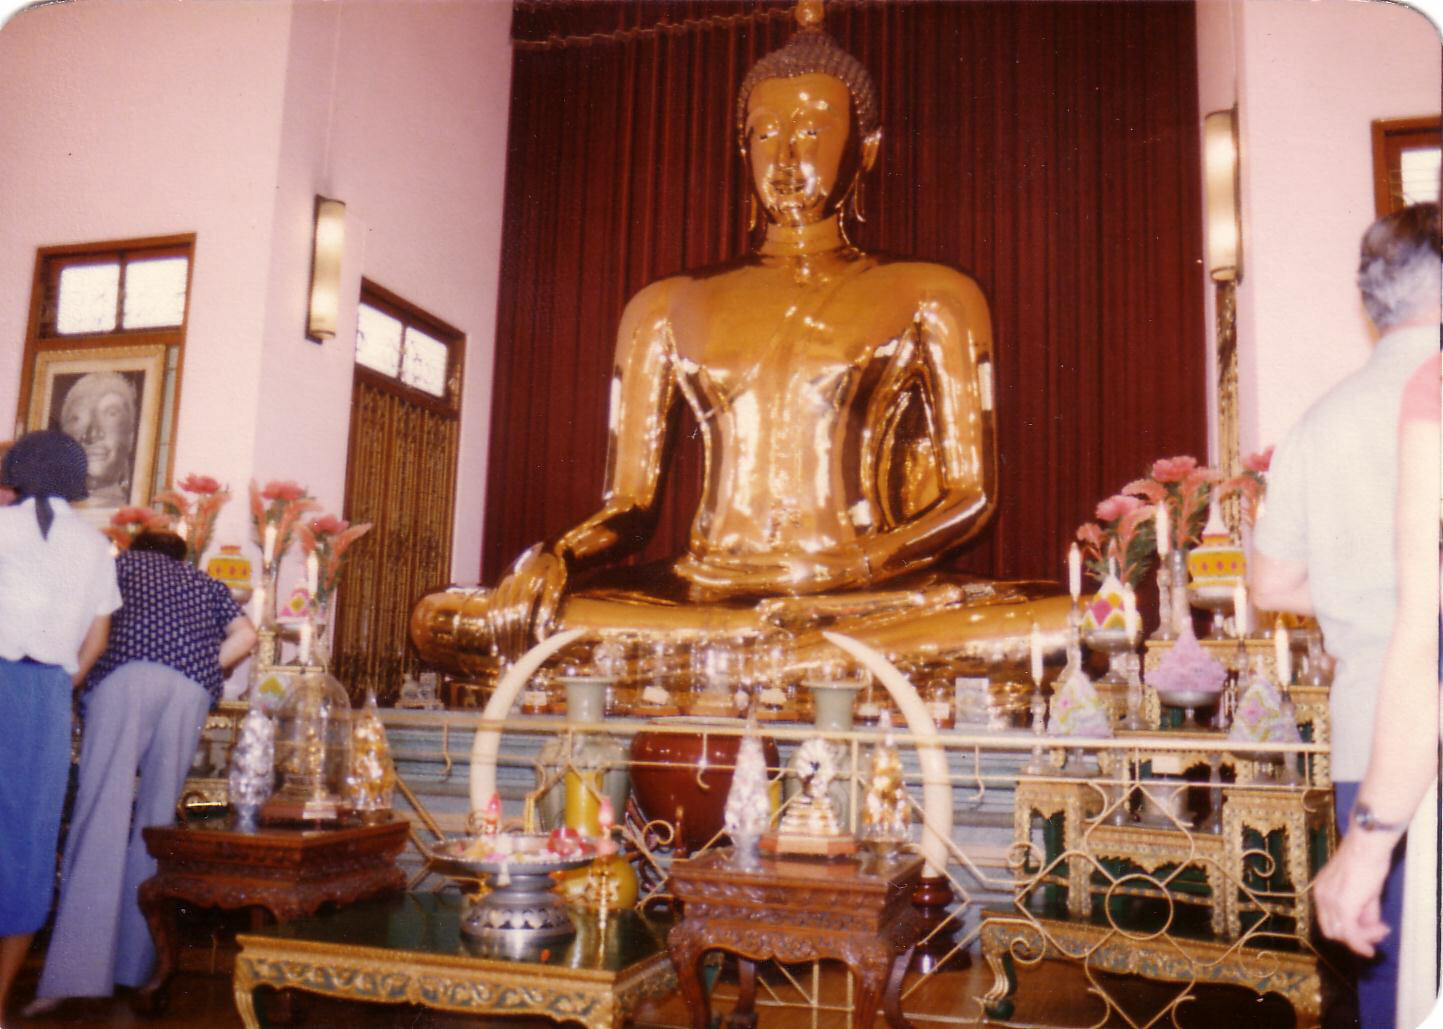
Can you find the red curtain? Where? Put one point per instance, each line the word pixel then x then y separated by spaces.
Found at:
pixel 1048 149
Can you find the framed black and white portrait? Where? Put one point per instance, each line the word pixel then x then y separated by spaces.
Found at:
pixel 109 400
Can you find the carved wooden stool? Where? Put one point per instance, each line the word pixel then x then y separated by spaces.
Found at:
pixel 285 872
pixel 856 910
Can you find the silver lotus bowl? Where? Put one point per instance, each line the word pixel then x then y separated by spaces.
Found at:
pixel 522 907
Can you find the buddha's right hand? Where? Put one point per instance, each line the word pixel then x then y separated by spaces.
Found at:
pixel 524 602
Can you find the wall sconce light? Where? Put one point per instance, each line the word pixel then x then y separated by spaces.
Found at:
pixel 330 241
pixel 1220 180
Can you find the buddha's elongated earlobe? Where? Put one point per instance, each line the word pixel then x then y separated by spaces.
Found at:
pixel 855 200
pixel 753 214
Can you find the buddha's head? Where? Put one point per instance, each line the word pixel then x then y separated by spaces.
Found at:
pixel 808 124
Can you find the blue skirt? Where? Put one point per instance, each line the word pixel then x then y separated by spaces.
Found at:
pixel 34 767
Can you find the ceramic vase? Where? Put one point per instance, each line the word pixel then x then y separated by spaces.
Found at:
pixel 681 774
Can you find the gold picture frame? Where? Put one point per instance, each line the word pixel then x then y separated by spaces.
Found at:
pixel 112 398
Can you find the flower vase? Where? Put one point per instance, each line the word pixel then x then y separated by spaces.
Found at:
pixel 590 766
pixel 832 704
pixel 265 614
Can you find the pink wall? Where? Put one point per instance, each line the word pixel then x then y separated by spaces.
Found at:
pixel 151 117
pixel 1310 78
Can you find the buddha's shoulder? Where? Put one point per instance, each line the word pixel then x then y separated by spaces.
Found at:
pixel 929 276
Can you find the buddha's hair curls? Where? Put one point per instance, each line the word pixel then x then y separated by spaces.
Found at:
pixel 812 52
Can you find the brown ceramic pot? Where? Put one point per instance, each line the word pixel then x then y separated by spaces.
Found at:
pixel 671 781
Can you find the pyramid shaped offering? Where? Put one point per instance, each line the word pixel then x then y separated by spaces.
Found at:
pixel 1105 611
pixel 1186 671
pixel 1076 709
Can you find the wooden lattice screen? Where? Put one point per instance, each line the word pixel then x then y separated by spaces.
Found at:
pixel 400 476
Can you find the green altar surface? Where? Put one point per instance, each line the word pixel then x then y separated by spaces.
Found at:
pixel 409 950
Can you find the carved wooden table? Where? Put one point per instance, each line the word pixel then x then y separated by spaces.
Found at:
pixel 856 910
pixel 409 950
pixel 284 871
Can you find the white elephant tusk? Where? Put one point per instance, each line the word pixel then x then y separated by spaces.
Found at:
pixel 488 741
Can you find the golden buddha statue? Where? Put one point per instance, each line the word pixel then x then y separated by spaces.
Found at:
pixel 845 405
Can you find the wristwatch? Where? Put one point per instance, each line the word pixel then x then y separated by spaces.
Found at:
pixel 1364 819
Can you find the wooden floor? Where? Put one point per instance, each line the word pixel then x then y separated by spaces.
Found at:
pixel 1052 995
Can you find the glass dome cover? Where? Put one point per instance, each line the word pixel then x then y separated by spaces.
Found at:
pixel 313 749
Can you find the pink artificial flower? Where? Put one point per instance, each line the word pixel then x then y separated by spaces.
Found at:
pixel 200 484
pixel 283 491
pixel 1259 462
pixel 329 525
pixel 1115 507
pixel 1173 469
pixel 131 516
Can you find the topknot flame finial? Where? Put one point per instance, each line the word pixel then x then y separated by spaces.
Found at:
pixel 808 14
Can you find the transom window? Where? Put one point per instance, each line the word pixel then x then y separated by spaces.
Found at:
pixel 123 290
pixel 1407 161
pixel 396 340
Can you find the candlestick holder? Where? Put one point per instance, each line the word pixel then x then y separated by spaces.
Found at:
pixel 1038 764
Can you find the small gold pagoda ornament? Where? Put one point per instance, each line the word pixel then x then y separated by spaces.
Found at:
pixel 809 824
pixel 372 781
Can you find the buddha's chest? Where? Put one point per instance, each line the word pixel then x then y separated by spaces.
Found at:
pixel 759 343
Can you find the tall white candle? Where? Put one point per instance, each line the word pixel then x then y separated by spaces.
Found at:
pixel 1074 571
pixel 307 632
pixel 1130 617
pixel 1036 646
pixel 1240 609
pixel 268 551
pixel 1282 652
pixel 313 572
pixel 1163 525
pixel 259 599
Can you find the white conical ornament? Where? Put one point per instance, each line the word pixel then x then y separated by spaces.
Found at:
pixel 748 807
pixel 252 766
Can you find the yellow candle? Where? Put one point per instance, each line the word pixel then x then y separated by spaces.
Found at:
pixel 583 803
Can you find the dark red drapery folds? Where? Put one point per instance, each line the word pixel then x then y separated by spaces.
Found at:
pixel 1049 149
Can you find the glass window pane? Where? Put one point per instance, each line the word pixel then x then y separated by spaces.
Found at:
pixel 154 293
pixel 425 363
pixel 378 341
pixel 87 298
pixel 1420 175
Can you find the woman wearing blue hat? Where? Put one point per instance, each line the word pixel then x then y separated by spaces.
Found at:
pixel 57 591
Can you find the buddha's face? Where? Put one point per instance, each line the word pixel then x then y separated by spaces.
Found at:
pixel 797 133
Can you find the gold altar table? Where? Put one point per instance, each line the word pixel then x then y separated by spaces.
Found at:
pixel 409 950
pixel 1011 937
pixel 1083 841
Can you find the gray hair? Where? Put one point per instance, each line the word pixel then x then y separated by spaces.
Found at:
pixel 91 386
pixel 1400 265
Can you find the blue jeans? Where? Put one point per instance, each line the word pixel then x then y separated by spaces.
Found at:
pixel 1378 975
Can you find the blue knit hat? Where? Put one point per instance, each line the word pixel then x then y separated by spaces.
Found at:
pixel 45 464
